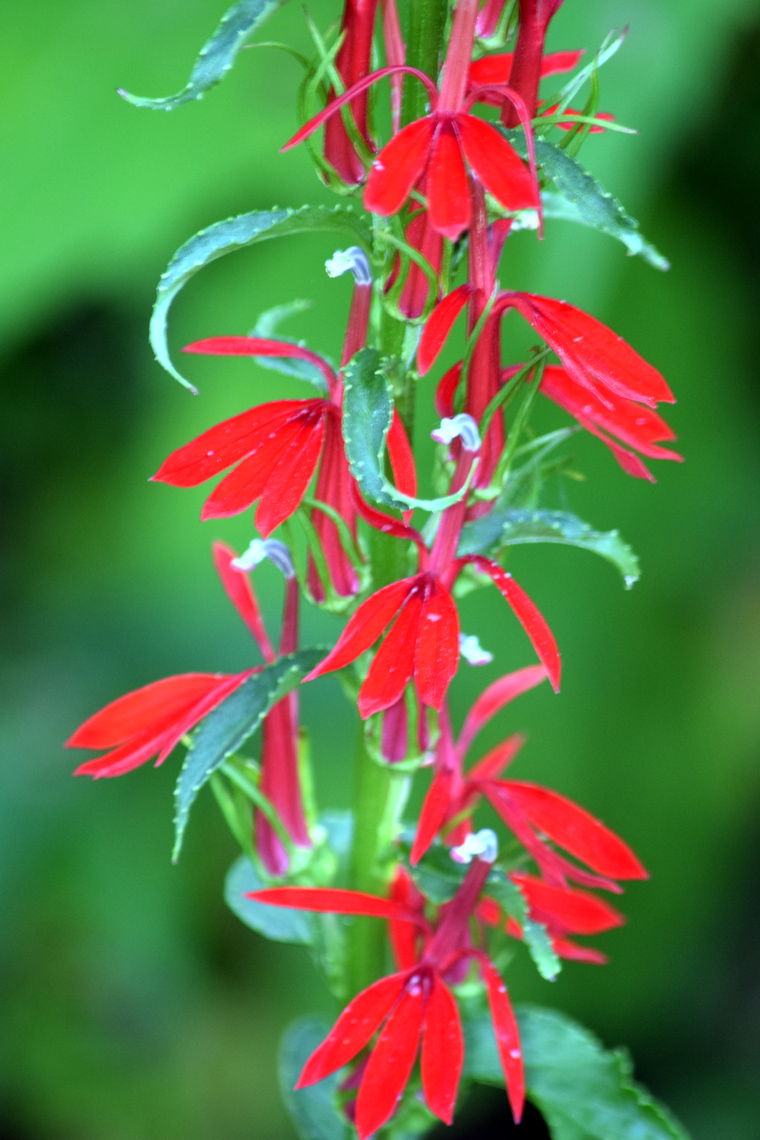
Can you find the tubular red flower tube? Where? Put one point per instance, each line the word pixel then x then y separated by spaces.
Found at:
pixel 352 63
pixel 535 16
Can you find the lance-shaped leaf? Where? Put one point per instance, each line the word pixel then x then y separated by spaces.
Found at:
pixel 236 233
pixel 581 198
pixel 313 1110
pixel 223 732
pixel 503 528
pixel 273 922
pixel 366 419
pixel 535 935
pixel 265 329
pixel 217 55
pixel 584 1091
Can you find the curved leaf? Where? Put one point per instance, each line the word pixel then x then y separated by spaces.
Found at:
pixel 225 729
pixel 236 233
pixel 584 1091
pixel 581 198
pixel 367 412
pixel 217 55
pixel 512 527
pixel 313 1109
pixel 273 922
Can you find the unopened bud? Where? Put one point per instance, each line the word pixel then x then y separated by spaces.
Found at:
pixel 352 260
pixel 458 427
pixel 478 845
pixel 271 548
pixel 472 651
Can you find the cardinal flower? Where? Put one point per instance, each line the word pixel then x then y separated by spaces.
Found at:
pixel 535 17
pixel 593 355
pixel 414 1006
pixel 564 911
pixel 532 813
pixel 352 64
pixel 442 146
pixel 423 639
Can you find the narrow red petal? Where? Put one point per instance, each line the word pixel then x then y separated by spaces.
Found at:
pixel 397 167
pixel 353 1029
pixel 576 911
pixel 385 523
pixel 333 900
pixel 496 760
pixel 575 829
pixel 258 346
pixel 442 1052
pixel 224 444
pixel 566 948
pixel 401 457
pixel 497 164
pixel 446 391
pixel 144 708
pixel 447 188
pixel 239 590
pixel 390 1063
pixel 493 699
pixel 289 481
pixel 246 482
pixel 528 615
pixel 393 664
pixel 433 814
pixel 507 1034
pixel 403 937
pixel 365 626
pixel 438 326
pixel 437 656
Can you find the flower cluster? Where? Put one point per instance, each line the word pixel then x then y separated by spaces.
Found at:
pixel 333 483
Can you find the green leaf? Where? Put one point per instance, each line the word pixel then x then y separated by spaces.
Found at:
pixel 367 412
pixel 503 528
pixel 217 55
pixel 313 1110
pixel 236 233
pixel 581 198
pixel 266 327
pixel 535 935
pixel 437 875
pixel 230 724
pixel 279 924
pixel 584 1091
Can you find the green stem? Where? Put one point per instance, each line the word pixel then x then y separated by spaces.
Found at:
pixel 426 21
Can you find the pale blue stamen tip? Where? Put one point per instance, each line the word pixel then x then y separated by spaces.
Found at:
pixel 478 845
pixel 353 260
pixel 458 427
pixel 271 548
pixel 472 651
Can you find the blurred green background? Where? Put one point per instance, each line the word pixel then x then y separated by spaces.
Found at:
pixel 134 1004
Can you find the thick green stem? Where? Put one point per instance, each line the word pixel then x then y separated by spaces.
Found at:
pixel 426 21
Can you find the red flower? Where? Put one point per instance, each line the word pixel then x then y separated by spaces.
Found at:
pixel 530 811
pixel 352 64
pixel 443 145
pixel 415 1005
pixel 535 16
pixel 593 355
pixel 496 71
pixel 565 911
pixel 423 641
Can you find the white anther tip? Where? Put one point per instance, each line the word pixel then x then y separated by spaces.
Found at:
pixel 481 844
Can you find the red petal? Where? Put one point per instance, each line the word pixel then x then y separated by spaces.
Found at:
pixel 446 391
pixel 630 462
pixel 566 948
pixel 529 616
pixel 437 657
pixel 507 1034
pixel 142 709
pixel 592 352
pixel 224 444
pixel 393 664
pixel 438 326
pixel 333 900
pixel 403 937
pixel 239 590
pixel 238 490
pixel 385 523
pixel 365 626
pixel 498 694
pixel 397 167
pixel 576 911
pixel 576 830
pixel 353 1029
pixel 257 346
pixel 496 760
pixel 288 482
pixel 401 457
pixel 497 164
pixel 442 1052
pixel 390 1063
pixel 194 715
pixel 433 814
pixel 447 188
